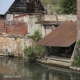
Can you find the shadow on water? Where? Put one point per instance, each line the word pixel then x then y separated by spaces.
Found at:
pixel 15 69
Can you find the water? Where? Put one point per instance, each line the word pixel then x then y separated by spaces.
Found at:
pixel 14 69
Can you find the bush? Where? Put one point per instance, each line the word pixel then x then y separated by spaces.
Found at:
pixel 28 51
pixel 76 61
pixel 34 53
pixel 40 50
pixel 78 42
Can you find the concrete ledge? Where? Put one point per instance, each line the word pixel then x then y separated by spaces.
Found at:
pixel 56 61
pixel 75 68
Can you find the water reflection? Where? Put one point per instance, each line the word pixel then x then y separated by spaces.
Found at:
pixel 14 69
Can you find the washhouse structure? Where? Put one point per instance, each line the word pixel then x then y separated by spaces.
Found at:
pixel 60 42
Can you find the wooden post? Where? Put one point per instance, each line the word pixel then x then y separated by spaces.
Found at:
pixel 47 51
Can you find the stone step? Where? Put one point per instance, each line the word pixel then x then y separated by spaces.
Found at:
pixel 58 58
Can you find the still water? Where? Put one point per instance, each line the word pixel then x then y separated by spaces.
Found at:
pixel 15 69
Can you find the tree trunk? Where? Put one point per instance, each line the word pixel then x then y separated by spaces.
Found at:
pixel 78 19
pixel 77 47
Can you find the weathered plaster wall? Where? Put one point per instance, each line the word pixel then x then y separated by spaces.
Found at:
pixel 30 21
pixel 70 17
pixel 15 45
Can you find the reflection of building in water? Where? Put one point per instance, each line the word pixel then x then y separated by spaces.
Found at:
pixel 33 71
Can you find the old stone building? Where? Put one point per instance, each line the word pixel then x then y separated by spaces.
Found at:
pixel 17 18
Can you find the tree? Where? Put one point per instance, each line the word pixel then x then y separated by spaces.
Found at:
pixel 67 7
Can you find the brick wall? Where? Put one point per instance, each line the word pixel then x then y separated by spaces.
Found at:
pixel 1 25
pixel 16 28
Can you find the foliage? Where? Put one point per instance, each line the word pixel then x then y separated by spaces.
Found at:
pixel 67 7
pixel 34 53
pixel 76 62
pixel 28 51
pixel 50 5
pixel 36 36
pixel 40 50
pixel 78 42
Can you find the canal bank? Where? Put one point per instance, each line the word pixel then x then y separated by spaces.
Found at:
pixel 59 62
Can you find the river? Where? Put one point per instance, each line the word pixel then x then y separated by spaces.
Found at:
pixel 15 69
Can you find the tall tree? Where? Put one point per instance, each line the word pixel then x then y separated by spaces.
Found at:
pixel 67 6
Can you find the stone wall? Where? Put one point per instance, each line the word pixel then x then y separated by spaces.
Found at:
pixel 14 44
pixel 60 17
pixel 30 21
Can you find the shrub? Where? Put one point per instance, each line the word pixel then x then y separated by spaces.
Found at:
pixel 76 61
pixel 78 42
pixel 34 53
pixel 28 51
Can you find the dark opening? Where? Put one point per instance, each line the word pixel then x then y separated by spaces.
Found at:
pixel 62 51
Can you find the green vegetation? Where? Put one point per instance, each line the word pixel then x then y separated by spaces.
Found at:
pixel 34 52
pixel 50 5
pixel 61 6
pixel 76 61
pixel 36 36
pixel 67 7
pixel 78 42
